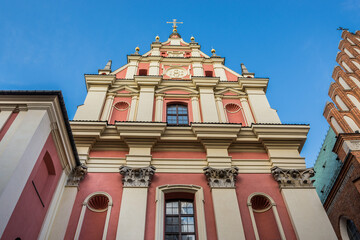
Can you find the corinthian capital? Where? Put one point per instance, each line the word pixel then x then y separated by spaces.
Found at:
pixel 221 177
pixel 76 175
pixel 137 177
pixel 292 178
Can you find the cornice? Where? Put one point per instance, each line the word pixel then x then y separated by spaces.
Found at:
pixel 216 131
pixel 148 80
pixel 253 83
pixel 140 129
pixel 99 80
pixel 201 81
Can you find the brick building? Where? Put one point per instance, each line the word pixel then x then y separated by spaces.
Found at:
pixel 343 201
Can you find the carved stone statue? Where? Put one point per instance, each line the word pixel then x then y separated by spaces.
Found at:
pixel 137 177
pixel 221 177
pixel 76 175
pixel 293 177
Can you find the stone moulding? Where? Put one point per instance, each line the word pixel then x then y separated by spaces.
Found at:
pixel 137 177
pixel 76 175
pixel 293 178
pixel 221 177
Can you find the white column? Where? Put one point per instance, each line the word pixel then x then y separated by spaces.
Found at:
pixel 146 103
pixel 227 214
pixel 219 71
pixel 198 69
pixel 19 151
pixel 247 111
pixel 208 106
pixel 132 214
pixel 221 110
pixel 107 108
pixel 132 69
pixel 133 108
pixel 307 214
pixel 154 68
pixel 195 109
pixel 93 105
pixel 159 108
pixel 261 108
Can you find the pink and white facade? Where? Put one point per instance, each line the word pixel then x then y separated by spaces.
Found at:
pixel 178 146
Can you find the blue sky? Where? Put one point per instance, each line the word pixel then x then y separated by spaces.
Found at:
pixel 51 44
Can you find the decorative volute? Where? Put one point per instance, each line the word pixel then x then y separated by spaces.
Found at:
pixel 137 177
pixel 293 178
pixel 221 177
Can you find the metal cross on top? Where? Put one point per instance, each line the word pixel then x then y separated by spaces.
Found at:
pixel 174 22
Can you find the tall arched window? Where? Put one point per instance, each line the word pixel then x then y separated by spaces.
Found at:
pixel 177 114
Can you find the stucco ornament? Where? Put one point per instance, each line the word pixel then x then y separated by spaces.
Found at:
pixel 293 177
pixel 137 177
pixel 176 72
pixel 221 177
pixel 76 175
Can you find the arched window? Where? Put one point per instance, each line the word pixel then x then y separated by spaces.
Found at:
pixel 348 230
pixel 179 219
pixel 177 114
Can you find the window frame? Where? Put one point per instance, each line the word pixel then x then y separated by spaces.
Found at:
pixel 179 216
pixel 199 210
pixel 177 115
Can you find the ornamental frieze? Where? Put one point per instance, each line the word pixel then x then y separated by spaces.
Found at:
pixel 76 175
pixel 221 177
pixel 293 177
pixel 137 177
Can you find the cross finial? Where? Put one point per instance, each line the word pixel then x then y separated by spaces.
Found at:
pixel 174 22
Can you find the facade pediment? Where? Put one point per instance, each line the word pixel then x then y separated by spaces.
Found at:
pixel 127 88
pixel 230 90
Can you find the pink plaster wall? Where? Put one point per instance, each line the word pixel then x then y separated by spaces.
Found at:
pixel 230 76
pixel 237 117
pixel 28 216
pixel 121 74
pixel 247 184
pixel 94 182
pixel 266 225
pixel 94 222
pixel 171 178
pixel 143 65
pixel 117 115
pixel 208 67
pixel 7 125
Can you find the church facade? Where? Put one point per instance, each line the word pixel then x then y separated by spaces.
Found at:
pixel 173 145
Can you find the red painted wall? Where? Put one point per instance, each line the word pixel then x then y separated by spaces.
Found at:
pixel 143 66
pixel 187 155
pixel 121 74
pixel 94 182
pixel 94 222
pixel 28 216
pixel 171 178
pixel 248 155
pixel 108 154
pixel 249 183
pixel 230 76
pixel 119 115
pixel 266 225
pixel 7 125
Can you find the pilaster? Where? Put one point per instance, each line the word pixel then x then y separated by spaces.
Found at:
pixel 196 109
pixel 132 216
pixel 221 110
pixel 247 111
pixel 298 194
pixel 227 216
pixel 107 107
pixel 159 108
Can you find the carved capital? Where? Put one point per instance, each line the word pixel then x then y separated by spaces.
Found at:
pixel 292 178
pixel 76 175
pixel 221 177
pixel 137 177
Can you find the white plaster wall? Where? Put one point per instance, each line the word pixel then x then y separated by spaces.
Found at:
pixel 208 105
pixel 346 67
pixel 344 84
pixel 4 116
pixel 307 214
pixel 131 70
pixel 146 104
pixel 336 125
pixel 132 214
pixel 341 104
pixel 351 123
pixel 93 105
pixel 19 151
pixel 355 81
pixel 219 71
pixel 227 214
pixel 262 111
pixel 154 68
pixel 356 64
pixel 354 101
pixel 348 53
pixel 195 109
pixel 198 69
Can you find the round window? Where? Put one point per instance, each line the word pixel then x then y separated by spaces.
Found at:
pixel 232 107
pixel 121 106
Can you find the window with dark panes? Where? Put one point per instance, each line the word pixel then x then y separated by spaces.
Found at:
pixel 177 114
pixel 179 220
